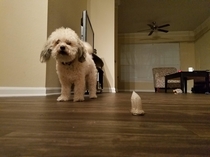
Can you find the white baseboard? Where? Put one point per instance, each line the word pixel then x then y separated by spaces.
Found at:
pixel 136 90
pixel 22 91
pixel 28 91
pixel 53 90
pixel 109 90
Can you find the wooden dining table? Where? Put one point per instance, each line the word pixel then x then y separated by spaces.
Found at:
pixel 183 76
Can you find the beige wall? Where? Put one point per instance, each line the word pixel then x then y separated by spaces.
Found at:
pixel 202 52
pixel 27 24
pixel 116 46
pixel 23 29
pixel 62 13
pixel 102 16
pixel 187 55
pixel 187 59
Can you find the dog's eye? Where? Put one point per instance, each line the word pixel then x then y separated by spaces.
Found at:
pixel 57 42
pixel 68 43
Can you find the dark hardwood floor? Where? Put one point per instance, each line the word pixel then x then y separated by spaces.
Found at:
pixel 173 126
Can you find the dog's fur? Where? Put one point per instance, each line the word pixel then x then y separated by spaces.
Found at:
pixel 74 64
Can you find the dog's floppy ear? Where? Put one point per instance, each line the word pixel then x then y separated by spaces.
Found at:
pixel 46 52
pixel 81 52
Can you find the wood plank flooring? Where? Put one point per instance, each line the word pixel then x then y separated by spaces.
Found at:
pixel 173 126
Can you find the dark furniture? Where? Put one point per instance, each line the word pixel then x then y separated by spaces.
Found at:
pixel 199 85
pixel 183 76
pixel 100 80
pixel 99 65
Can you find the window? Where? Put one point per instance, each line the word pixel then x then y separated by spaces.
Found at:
pixel 137 60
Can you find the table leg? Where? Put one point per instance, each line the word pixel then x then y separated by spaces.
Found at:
pixel 166 84
pixel 182 83
pixel 207 82
pixel 185 85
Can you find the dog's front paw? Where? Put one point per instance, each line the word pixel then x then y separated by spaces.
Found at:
pixel 63 98
pixel 78 99
pixel 94 96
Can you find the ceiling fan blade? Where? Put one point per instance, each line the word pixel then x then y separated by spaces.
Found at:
pixel 150 33
pixel 162 30
pixel 166 25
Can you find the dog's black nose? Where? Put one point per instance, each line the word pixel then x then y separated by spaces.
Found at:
pixel 62 47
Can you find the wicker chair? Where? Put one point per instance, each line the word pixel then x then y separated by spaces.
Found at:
pixel 159 74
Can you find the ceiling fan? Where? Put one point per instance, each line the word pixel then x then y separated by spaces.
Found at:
pixel 155 27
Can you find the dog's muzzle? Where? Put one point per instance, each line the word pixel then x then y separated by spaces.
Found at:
pixel 62 50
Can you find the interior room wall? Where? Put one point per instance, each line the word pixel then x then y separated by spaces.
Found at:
pixel 102 14
pixel 23 29
pixel 117 2
pixel 62 13
pixel 187 59
pixel 27 24
pixel 202 52
pixel 187 55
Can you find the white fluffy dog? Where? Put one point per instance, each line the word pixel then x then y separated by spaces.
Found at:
pixel 74 64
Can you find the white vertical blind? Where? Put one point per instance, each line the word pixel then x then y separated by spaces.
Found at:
pixel 137 60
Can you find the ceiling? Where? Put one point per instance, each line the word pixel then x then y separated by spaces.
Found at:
pixel 182 15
